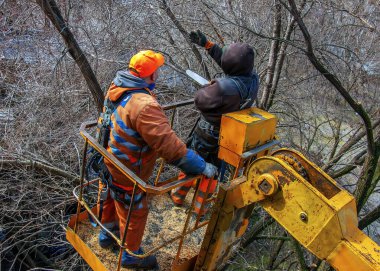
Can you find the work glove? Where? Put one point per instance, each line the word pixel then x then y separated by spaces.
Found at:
pixel 198 38
pixel 210 170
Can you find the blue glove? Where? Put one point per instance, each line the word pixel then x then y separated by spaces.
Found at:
pixel 191 163
pixel 210 170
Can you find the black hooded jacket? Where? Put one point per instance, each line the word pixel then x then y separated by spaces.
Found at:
pixel 237 90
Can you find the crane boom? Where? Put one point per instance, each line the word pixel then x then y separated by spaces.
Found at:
pixel 301 197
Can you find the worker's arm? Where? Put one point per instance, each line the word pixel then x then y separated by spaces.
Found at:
pixel 214 50
pixel 210 98
pixel 216 53
pixel 153 126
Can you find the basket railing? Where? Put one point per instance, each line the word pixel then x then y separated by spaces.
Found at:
pixel 158 188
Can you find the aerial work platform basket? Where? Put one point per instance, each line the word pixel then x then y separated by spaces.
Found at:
pixel 79 225
pixel 302 198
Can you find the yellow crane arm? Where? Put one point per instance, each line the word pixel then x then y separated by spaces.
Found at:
pixel 310 205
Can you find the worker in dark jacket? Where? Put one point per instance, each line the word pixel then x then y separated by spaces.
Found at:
pixel 236 91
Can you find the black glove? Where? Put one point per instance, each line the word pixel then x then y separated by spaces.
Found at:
pixel 198 38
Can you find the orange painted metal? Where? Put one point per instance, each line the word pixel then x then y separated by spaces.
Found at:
pixel 130 175
pixel 184 265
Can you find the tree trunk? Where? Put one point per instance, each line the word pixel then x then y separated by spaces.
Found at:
pixel 272 57
pixel 51 10
pixel 369 218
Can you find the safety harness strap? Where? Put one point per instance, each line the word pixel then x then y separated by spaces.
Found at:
pixel 241 87
pixel 103 136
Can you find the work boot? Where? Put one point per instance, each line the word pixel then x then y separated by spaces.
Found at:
pixel 106 240
pixel 130 261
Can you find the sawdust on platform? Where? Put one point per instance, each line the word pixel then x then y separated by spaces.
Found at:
pixel 165 221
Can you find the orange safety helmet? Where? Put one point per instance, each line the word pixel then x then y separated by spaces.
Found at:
pixel 144 63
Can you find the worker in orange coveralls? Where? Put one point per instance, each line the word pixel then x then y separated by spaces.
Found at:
pixel 236 91
pixel 139 133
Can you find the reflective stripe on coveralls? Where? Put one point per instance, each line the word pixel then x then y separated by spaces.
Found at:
pixel 113 204
pixel 124 142
pixel 110 108
pixel 179 194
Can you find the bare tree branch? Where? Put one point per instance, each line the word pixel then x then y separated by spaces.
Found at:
pixel 259 227
pixel 347 146
pixel 275 252
pixel 373 152
pixel 185 34
pixel 354 163
pixel 52 11
pixel 37 165
pixel 300 256
pixel 272 57
pixel 370 218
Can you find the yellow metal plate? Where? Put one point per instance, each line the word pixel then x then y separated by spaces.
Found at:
pixel 317 212
pixel 81 247
pixel 299 207
pixel 242 130
pixel 229 157
pixel 242 193
pixel 84 251
pixel 356 253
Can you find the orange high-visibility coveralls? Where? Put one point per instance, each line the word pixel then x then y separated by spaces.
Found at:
pixel 140 132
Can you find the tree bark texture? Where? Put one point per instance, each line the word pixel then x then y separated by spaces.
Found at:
pixel 369 177
pixel 281 58
pixel 272 57
pixel 369 218
pixel 51 10
pixel 271 93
